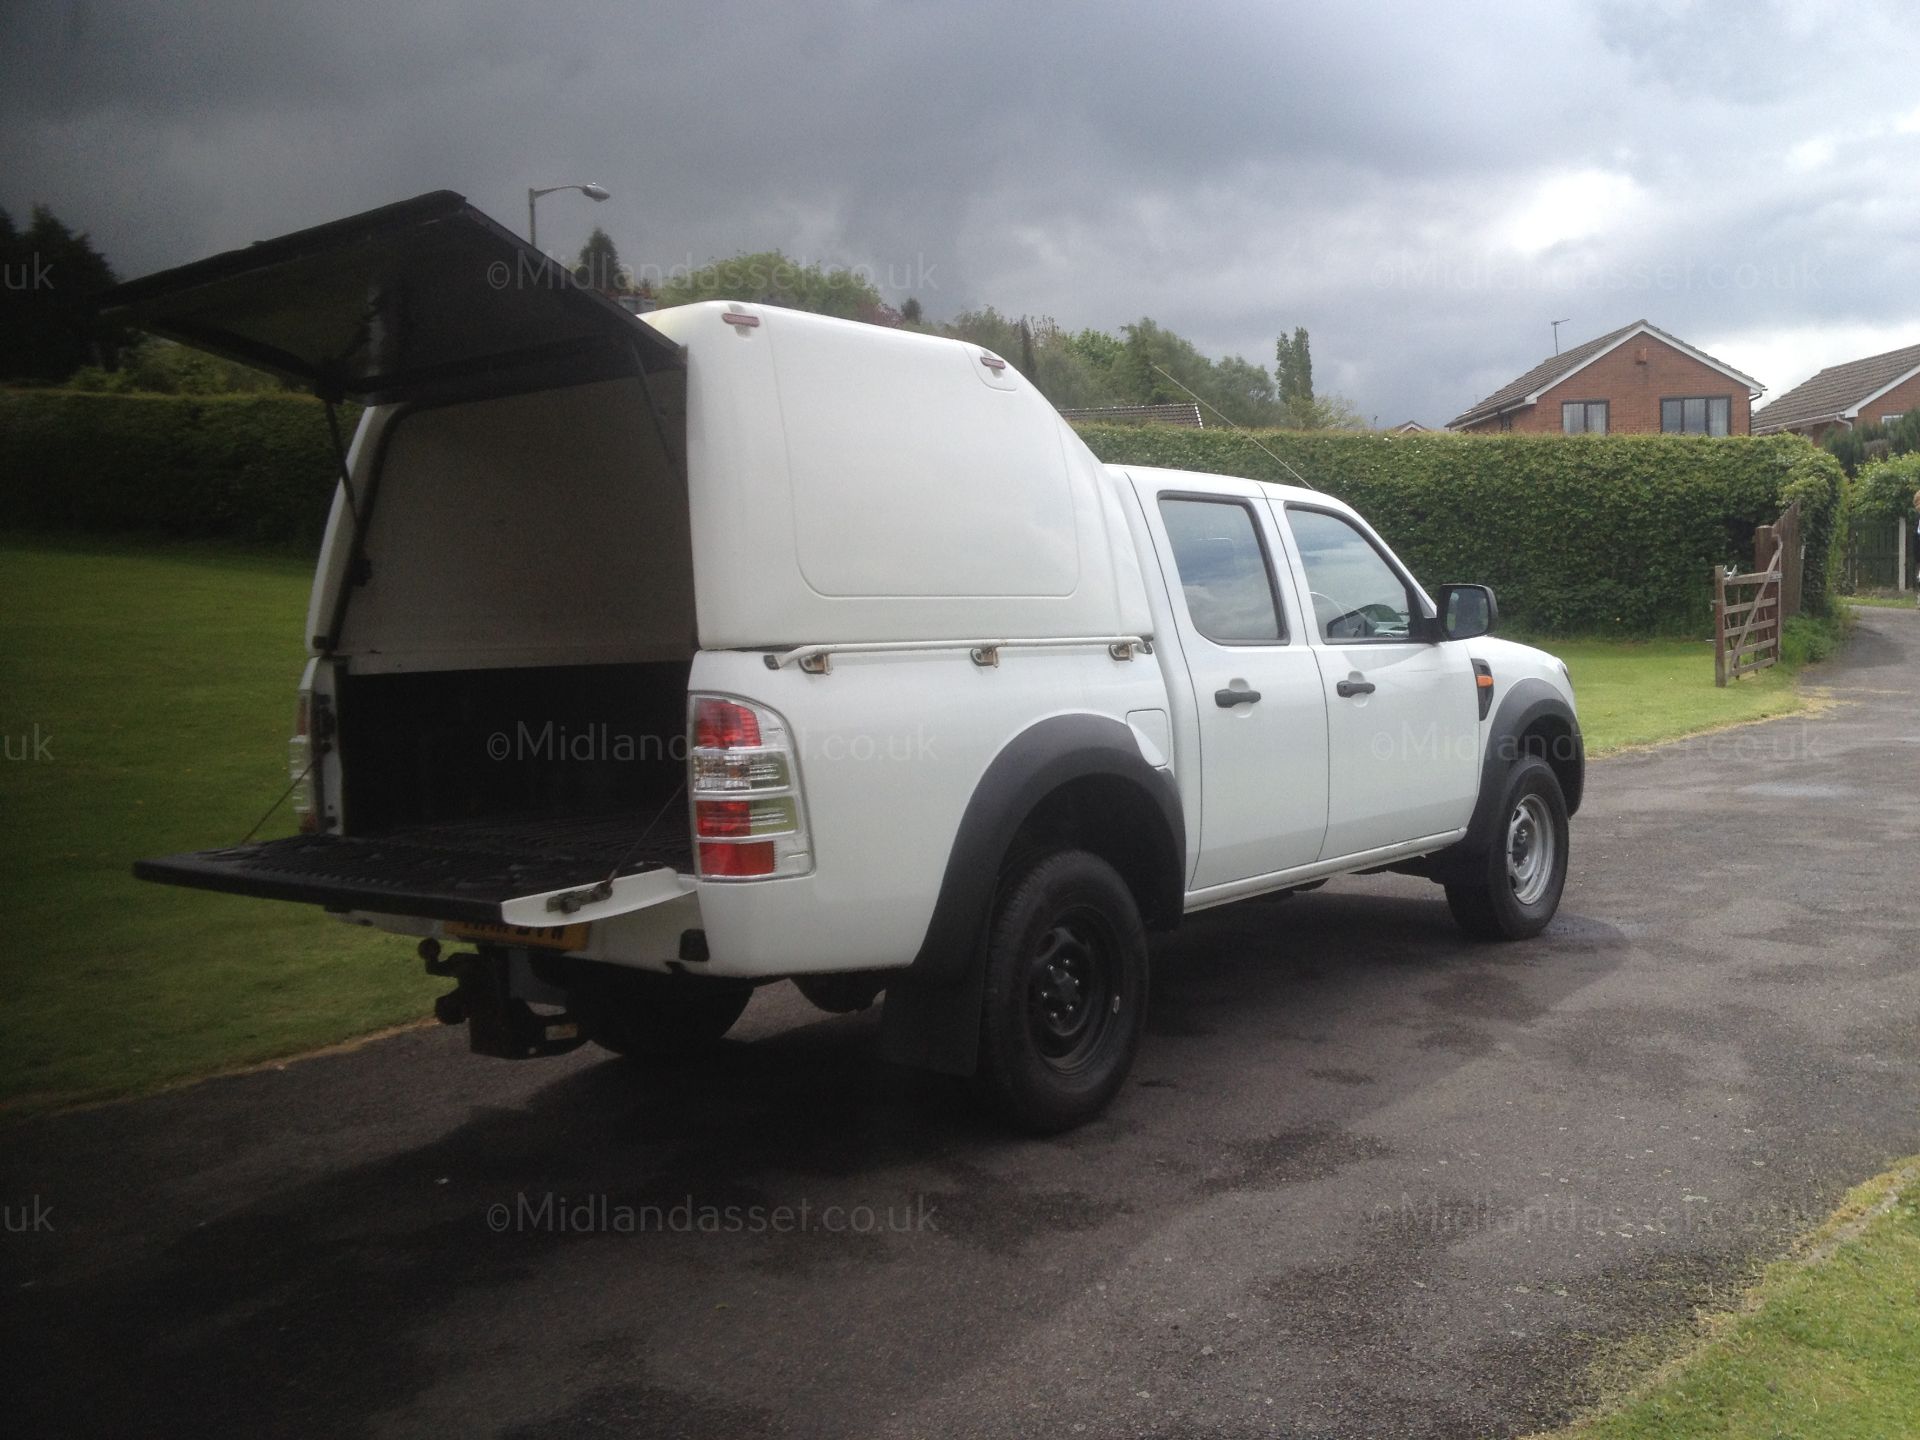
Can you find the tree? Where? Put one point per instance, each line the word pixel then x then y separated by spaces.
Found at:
pixel 910 311
pixel 769 278
pixel 53 280
pixel 1857 445
pixel 1325 412
pixel 1046 353
pixel 599 266
pixel 1301 410
pixel 1248 384
pixel 1293 366
pixel 1156 366
pixel 155 366
pixel 1885 489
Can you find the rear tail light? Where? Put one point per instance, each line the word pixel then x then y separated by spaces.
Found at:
pixel 724 725
pixel 300 755
pixel 748 818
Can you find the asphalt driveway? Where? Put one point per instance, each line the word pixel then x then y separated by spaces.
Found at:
pixel 1368 1179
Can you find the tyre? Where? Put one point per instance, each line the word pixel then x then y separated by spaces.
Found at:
pixel 640 1014
pixel 1514 890
pixel 1065 995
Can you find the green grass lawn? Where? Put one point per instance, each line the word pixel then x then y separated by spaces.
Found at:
pixel 1827 1347
pixel 160 680
pixel 159 684
pixel 1639 692
pixel 1883 602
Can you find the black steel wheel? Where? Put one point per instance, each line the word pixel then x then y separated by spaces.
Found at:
pixel 1513 892
pixel 1066 992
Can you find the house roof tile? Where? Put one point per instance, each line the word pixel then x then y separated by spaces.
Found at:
pixel 1556 368
pixel 1836 390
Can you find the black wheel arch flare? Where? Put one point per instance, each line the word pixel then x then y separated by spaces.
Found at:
pixel 932 1017
pixel 1532 718
pixel 1035 764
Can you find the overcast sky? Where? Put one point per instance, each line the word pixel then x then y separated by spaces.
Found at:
pixel 1423 187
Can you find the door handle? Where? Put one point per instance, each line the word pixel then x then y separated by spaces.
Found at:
pixel 1349 688
pixel 1227 699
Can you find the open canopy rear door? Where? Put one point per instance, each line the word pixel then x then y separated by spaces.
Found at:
pixel 425 299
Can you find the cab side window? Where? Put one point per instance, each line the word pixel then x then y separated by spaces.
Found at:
pixel 1356 594
pixel 1223 570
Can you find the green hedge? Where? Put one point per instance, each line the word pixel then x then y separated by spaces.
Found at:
pixel 1578 534
pixel 1885 489
pixel 253 468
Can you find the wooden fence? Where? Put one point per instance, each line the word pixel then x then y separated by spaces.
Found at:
pixel 1875 555
pixel 1746 623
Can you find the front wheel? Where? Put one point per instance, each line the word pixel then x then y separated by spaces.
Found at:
pixel 1066 992
pixel 1514 891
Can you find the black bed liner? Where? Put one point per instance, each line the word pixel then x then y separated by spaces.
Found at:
pixel 463 870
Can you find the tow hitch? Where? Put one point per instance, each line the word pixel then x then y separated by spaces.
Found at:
pixel 494 994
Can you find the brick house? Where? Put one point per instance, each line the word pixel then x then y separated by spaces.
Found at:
pixel 1877 389
pixel 1637 380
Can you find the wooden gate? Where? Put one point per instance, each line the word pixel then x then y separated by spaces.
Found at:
pixel 1746 622
pixel 1873 554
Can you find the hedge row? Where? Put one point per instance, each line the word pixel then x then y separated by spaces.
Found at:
pixel 1578 534
pixel 1886 489
pixel 253 468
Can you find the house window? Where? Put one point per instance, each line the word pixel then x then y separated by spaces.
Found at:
pixel 1584 417
pixel 1696 415
pixel 1894 419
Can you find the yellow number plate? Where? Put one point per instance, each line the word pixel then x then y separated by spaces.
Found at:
pixel 540 937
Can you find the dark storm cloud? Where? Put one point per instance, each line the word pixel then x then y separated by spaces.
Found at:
pixel 1423 187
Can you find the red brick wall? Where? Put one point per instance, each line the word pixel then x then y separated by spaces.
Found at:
pixel 1633 390
pixel 1815 433
pixel 1896 401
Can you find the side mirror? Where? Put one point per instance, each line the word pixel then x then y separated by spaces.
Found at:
pixel 1466 611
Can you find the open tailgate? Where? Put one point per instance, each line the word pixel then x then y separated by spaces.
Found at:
pixel 503 872
pixel 424 299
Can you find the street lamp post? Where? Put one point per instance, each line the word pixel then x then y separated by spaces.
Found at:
pixel 592 192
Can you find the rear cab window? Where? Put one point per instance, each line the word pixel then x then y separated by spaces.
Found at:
pixel 1224 570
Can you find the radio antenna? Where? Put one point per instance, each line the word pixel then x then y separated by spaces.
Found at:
pixel 1243 429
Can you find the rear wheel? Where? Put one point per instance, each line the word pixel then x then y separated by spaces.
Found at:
pixel 1066 992
pixel 639 1013
pixel 1514 891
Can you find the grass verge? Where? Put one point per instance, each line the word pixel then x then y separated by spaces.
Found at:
pixel 1822 1349
pixel 1881 602
pixel 1641 692
pixel 146 694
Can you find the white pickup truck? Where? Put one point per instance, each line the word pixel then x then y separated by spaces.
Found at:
pixel 655 659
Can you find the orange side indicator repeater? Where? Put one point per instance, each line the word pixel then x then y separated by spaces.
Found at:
pixel 1483 678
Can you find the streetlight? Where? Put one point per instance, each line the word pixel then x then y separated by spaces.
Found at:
pixel 592 192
